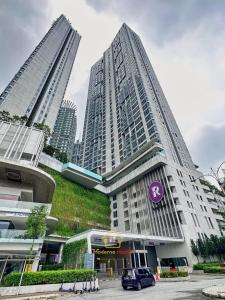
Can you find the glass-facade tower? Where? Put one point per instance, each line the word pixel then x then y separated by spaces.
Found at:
pixel 64 133
pixel 38 88
pixel 126 108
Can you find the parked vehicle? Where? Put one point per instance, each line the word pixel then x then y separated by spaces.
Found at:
pixel 137 278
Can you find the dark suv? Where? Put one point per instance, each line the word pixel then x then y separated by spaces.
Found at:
pixel 137 278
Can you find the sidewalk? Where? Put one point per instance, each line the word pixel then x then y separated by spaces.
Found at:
pixel 215 291
pixel 35 296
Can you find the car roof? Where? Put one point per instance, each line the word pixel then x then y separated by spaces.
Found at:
pixel 137 268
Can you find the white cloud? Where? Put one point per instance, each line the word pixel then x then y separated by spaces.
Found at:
pixel 185 46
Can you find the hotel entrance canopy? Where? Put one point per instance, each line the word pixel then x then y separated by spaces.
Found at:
pixel 97 237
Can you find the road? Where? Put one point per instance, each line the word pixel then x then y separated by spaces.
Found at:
pixel 187 290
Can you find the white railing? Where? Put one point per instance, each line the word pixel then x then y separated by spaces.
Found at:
pixel 11 233
pixel 22 205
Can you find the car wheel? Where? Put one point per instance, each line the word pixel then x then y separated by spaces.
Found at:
pixel 153 282
pixel 124 287
pixel 139 286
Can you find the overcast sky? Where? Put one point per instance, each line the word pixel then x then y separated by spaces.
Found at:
pixel 185 41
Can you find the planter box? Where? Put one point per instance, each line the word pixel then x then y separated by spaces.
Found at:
pixel 42 288
pixel 198 272
pixel 175 279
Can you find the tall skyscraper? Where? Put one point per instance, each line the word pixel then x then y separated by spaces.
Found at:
pixel 77 153
pixel 126 108
pixel 64 133
pixel 38 88
pixel 131 137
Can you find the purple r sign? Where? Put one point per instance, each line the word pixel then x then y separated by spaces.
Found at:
pixel 155 191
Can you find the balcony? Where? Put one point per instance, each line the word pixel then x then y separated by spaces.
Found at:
pixel 11 234
pixel 20 206
pixel 11 241
pixel 42 184
pixel 18 211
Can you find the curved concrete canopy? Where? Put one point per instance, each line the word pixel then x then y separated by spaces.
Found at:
pixel 19 221
pixel 15 173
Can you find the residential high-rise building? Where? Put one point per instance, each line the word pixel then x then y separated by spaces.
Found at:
pixel 64 132
pixel 126 108
pixel 131 137
pixel 76 157
pixel 38 88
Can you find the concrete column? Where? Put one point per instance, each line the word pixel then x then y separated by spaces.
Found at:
pixel 144 253
pixel 139 261
pixel 89 244
pixel 60 252
pixel 134 255
pixel 36 261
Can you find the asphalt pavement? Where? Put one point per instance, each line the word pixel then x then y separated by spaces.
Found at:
pixel 187 290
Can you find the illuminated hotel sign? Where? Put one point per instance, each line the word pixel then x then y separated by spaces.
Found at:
pixel 155 191
pixel 111 241
pixel 111 251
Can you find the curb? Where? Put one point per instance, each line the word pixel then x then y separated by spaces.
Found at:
pixel 34 297
pixel 214 292
pixel 175 279
pixel 103 280
pixel 217 296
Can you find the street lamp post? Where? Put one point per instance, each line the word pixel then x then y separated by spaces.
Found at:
pixel 214 174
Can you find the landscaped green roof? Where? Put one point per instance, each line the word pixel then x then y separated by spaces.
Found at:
pixel 78 208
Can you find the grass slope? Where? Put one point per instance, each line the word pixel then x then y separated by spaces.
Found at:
pixel 77 207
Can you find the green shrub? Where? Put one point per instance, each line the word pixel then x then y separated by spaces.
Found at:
pixel 47 277
pixel 214 270
pixel 202 266
pixel 169 274
pixel 51 267
pixel 73 254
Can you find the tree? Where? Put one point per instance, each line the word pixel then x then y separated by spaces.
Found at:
pixel 202 248
pixel 212 187
pixel 195 250
pixel 216 244
pixel 61 156
pixel 46 130
pixel 52 151
pixel 210 247
pixel 19 120
pixel 48 149
pixel 36 224
pixel 221 247
pixel 5 116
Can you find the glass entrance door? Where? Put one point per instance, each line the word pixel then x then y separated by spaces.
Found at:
pixel 138 260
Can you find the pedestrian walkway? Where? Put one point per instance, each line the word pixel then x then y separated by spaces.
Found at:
pixel 215 291
pixel 35 296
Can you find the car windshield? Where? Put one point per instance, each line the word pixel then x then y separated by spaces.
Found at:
pixel 128 272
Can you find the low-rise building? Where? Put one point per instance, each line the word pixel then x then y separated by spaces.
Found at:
pixel 23 186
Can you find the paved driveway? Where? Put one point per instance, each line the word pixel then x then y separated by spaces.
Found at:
pixel 112 290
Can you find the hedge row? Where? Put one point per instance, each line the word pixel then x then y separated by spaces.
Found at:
pixel 202 266
pixel 52 267
pixel 168 274
pixel 214 270
pixel 44 277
